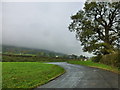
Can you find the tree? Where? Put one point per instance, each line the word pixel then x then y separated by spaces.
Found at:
pixel 82 57
pixel 97 26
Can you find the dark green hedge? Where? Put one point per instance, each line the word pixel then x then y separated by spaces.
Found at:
pixel 14 58
pixel 111 59
pixel 96 58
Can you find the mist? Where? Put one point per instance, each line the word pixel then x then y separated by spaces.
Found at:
pixel 41 25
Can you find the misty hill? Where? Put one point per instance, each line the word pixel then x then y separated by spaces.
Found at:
pixel 6 49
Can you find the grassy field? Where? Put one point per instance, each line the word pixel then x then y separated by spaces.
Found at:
pixel 96 65
pixel 28 74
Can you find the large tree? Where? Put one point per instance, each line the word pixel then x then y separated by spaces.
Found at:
pixel 97 26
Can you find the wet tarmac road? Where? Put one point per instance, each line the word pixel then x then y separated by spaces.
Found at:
pixel 78 76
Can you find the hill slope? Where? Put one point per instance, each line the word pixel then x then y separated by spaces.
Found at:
pixel 6 49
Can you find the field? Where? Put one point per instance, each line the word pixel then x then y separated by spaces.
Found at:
pixel 96 65
pixel 28 74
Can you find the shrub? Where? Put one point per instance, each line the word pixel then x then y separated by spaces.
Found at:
pixel 111 59
pixel 13 58
pixel 96 58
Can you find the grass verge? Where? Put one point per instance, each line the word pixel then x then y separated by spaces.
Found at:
pixel 96 65
pixel 28 74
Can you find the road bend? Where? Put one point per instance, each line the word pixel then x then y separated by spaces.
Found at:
pixel 78 76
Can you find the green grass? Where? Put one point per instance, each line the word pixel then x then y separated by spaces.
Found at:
pixel 0 75
pixel 28 74
pixel 96 65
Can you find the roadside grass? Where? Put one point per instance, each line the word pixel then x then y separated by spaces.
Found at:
pixel 96 65
pixel 28 74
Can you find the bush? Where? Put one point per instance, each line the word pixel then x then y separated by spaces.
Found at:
pixel 111 59
pixel 14 58
pixel 96 58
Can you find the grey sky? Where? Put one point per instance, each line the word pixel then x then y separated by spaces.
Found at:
pixel 41 25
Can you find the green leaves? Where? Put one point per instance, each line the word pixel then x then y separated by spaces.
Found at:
pixel 96 26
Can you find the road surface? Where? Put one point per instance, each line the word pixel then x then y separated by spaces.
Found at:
pixel 78 76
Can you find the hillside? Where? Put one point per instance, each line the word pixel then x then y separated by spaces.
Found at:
pixel 6 49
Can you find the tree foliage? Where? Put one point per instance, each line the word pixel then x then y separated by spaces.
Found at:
pixel 97 26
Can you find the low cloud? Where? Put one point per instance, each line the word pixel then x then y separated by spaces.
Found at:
pixel 41 25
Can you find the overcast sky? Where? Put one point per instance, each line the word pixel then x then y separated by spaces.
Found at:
pixel 41 25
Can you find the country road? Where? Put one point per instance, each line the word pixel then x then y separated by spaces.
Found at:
pixel 78 76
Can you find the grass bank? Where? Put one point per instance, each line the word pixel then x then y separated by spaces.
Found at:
pixel 28 74
pixel 96 65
